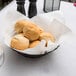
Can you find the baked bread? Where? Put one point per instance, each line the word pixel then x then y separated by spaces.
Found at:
pixel 34 44
pixel 19 42
pixel 31 32
pixel 20 25
pixel 25 23
pixel 47 36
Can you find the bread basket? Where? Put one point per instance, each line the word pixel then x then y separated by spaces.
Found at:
pixel 50 22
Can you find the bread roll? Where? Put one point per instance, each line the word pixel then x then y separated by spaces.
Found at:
pixel 47 36
pixel 34 44
pixel 20 25
pixel 19 42
pixel 31 32
pixel 24 23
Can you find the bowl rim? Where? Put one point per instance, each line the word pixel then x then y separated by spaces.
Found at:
pixel 35 55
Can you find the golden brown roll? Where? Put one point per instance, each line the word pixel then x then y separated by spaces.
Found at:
pixel 34 44
pixel 19 42
pixel 47 36
pixel 20 25
pixel 31 32
pixel 24 23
